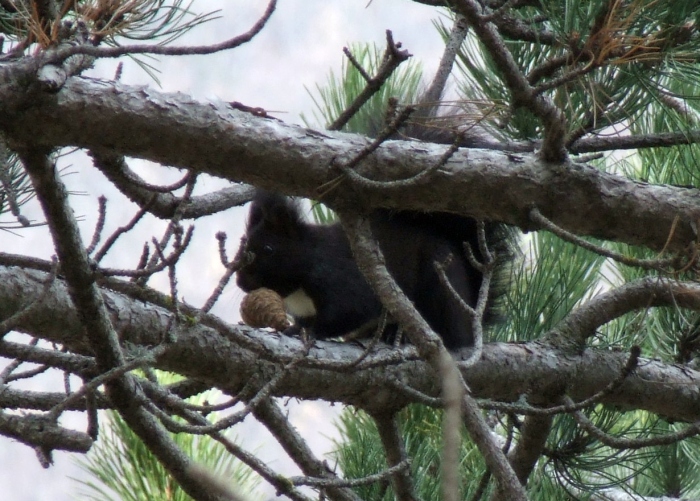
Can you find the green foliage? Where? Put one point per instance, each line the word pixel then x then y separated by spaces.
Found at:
pixel 322 214
pixel 109 23
pixel 162 20
pixel 544 287
pixel 675 470
pixel 124 469
pixel 359 452
pixel 630 54
pixel 15 186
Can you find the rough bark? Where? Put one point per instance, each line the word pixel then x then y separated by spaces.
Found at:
pixel 230 356
pixel 174 129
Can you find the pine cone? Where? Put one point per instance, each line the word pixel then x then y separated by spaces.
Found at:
pixel 264 308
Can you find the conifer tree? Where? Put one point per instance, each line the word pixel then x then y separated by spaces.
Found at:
pixel 575 122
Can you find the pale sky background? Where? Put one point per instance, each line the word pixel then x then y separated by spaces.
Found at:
pixel 300 45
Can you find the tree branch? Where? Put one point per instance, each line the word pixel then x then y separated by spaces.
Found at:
pixel 218 354
pixel 122 391
pixel 73 363
pixel 528 450
pixel 65 52
pixel 658 140
pixel 161 204
pixel 392 442
pixel 523 94
pixel 296 447
pixel 429 102
pixel 167 399
pixel 646 292
pixel 391 60
pixel 214 139
pixel 37 431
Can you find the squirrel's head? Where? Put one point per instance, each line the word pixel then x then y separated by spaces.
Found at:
pixel 274 245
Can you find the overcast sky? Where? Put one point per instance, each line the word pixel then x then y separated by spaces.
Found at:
pixel 302 42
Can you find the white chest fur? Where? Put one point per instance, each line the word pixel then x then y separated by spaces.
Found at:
pixel 299 305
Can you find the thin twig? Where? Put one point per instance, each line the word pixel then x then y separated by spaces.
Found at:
pixel 69 362
pixel 172 227
pixel 30 373
pixel 162 189
pixel 421 177
pixel 347 168
pixel 358 67
pixel 269 414
pixel 260 396
pixel 565 78
pixel 100 225
pixel 12 366
pixel 635 443
pixel 221 238
pixel 476 313
pixel 378 331
pixel 355 482
pixel 649 264
pixel 98 381
pixel 163 262
pixel 143 259
pixel 281 483
pixel 231 268
pixel 117 233
pixel 393 57
pixel 102 52
pixel 164 205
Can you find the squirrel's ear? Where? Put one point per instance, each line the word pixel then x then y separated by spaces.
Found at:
pixel 276 212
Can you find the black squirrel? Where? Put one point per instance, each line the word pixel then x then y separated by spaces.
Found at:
pixel 312 268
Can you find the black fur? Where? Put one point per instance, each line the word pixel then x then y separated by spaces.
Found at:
pixel 291 254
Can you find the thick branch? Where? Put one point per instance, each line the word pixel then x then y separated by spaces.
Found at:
pixel 37 431
pixel 533 436
pixel 505 372
pixel 212 138
pixel 395 451
pixel 582 323
pixel 42 401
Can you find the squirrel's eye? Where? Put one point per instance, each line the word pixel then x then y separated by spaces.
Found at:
pixel 267 249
